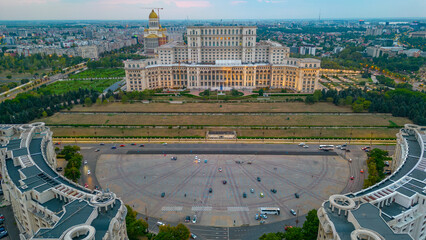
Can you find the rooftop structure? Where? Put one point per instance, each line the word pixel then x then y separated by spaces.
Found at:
pixel 45 204
pixel 394 208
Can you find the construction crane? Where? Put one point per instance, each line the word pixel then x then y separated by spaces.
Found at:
pixel 158 10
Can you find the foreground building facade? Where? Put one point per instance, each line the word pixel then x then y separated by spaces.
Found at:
pixel 45 204
pixel 395 208
pixel 222 57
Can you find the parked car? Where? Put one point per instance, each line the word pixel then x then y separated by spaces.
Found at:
pixel 220 169
pixel 293 212
pixel 113 147
pixel 163 194
pixel 352 178
pixel 274 190
pixel 264 216
pixel 210 190
pixel 258 179
pixel 173 158
pixel 193 236
pixel 122 145
pixel 296 195
pixel 205 160
pixel 261 195
pixel 58 143
pixel 361 171
pixel 224 181
pixel 141 145
pixel 160 224
pixel 101 144
pixel 59 169
pixel 3 234
pixel 86 185
pixel 287 227
pixel 187 219
pixel 387 172
pixel 194 219
pixel 306 146
pixel 97 150
pixel 85 162
pixel 244 195
pixel 252 190
pixel 301 144
pixel 88 172
pixel 2 229
pixel 256 217
pixel 133 144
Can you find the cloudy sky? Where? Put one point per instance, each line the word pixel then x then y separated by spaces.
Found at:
pixel 208 9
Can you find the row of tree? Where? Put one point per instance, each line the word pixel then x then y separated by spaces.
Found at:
pixel 112 60
pixel 29 106
pixel 74 159
pixel 21 63
pixel 398 102
pixel 376 164
pixel 309 231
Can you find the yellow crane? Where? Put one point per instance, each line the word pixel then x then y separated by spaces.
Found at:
pixel 158 10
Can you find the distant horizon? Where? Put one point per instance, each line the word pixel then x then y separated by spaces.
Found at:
pixel 110 10
pixel 224 19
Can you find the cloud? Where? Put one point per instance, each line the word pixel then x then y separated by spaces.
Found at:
pixel 238 2
pixel 27 2
pixel 193 3
pixel 271 1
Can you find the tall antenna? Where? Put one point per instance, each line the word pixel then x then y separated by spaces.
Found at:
pixel 319 16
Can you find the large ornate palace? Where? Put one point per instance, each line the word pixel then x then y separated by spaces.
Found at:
pixel 222 57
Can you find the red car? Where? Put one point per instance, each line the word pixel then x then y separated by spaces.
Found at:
pixel 122 145
pixel 287 227
pixel 362 171
pixel 352 178
pixel 86 185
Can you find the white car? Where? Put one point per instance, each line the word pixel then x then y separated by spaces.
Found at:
pixel 301 144
pixel 194 219
pixel 305 146
pixel 88 172
pixel 160 224
pixel 85 162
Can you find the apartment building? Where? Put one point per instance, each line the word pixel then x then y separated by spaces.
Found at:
pixel 45 204
pixel 394 208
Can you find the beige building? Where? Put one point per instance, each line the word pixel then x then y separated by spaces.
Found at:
pixel 154 35
pixel 393 209
pixel 222 57
pixel 45 204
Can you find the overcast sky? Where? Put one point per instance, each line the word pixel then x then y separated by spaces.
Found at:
pixel 208 9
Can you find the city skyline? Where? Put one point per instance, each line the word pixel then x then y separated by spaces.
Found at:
pixel 208 9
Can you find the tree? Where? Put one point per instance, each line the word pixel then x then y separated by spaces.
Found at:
pixel 44 114
pixel 88 102
pixel 124 99
pixel 261 92
pixel 98 101
pixel 357 107
pixel 309 99
pixel 310 226
pixel 294 233
pixel 272 236
pixel 136 228
pixel 317 95
pixel 180 232
pixel 72 173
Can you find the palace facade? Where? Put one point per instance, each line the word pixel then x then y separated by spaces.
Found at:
pixel 222 57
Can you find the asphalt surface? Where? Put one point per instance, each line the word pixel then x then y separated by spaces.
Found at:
pixel 10 223
pixel 89 153
pixel 235 233
pixel 357 156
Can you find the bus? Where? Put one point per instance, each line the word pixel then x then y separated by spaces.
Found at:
pixel 326 147
pixel 270 210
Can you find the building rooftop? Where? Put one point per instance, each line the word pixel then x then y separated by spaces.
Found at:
pixel 368 216
pixel 76 212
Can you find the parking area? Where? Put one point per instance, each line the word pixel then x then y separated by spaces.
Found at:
pixel 9 223
pixel 170 189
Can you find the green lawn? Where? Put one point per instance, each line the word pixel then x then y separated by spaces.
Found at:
pixel 100 73
pixel 71 85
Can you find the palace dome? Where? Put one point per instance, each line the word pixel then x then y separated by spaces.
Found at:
pixel 153 15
